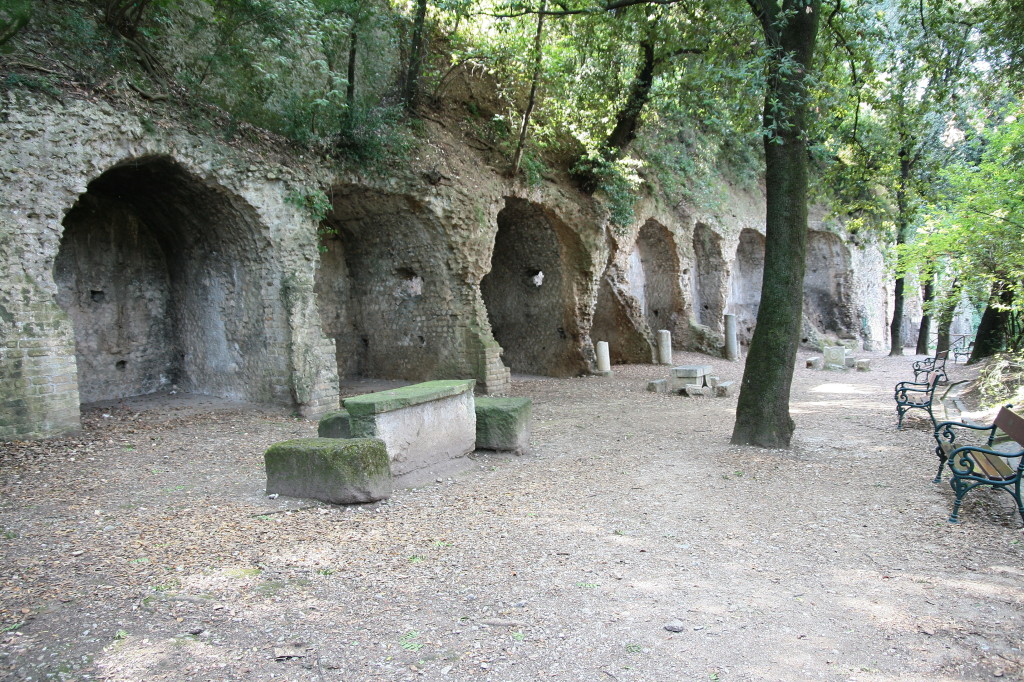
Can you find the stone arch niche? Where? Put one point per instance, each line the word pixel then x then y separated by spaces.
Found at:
pixel 708 277
pixel 619 320
pixel 162 277
pixel 653 273
pixel 745 283
pixel 828 287
pixel 384 289
pixel 529 292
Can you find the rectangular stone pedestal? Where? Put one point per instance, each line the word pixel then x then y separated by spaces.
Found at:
pixel 423 426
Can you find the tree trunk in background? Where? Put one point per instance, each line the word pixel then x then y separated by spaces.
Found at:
pixel 926 320
pixel 762 415
pixel 991 336
pixel 350 88
pixel 538 59
pixel 416 49
pixel 628 120
pixel 903 234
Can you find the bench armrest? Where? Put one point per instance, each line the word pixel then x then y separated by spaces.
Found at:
pixel 945 432
pixel 962 463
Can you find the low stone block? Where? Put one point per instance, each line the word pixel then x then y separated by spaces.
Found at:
pixel 815 363
pixel 712 380
pixel 334 425
pixel 834 355
pixel 335 470
pixel 725 389
pixel 863 365
pixel 424 426
pixel 503 424
pixel 658 386
pixel 849 362
pixel 691 371
pixel 695 390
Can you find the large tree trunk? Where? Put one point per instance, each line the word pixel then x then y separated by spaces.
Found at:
pixel 627 122
pixel 991 335
pixel 926 320
pixel 762 415
pixel 902 236
pixel 416 50
pixel 538 61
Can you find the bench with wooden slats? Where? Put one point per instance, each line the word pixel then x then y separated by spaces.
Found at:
pixel 997 463
pixel 916 395
pixel 934 364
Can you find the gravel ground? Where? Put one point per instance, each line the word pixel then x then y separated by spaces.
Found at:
pixel 146 549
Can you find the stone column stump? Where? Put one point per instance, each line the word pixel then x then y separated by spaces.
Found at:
pixel 334 470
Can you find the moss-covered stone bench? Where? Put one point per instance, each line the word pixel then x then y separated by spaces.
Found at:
pixel 503 424
pixel 424 426
pixel 339 471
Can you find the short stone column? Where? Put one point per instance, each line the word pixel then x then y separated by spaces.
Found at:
pixel 664 347
pixel 604 362
pixel 732 348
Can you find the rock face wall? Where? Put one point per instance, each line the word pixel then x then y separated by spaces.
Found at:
pixel 140 258
pixel 137 260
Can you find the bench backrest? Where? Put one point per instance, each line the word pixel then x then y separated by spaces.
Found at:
pixel 941 355
pixel 1011 424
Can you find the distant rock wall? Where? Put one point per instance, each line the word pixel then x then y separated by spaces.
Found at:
pixel 142 257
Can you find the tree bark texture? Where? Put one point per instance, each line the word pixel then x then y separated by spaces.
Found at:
pixel 896 340
pixel 538 59
pixel 416 50
pixel 925 331
pixel 627 122
pixel 790 29
pixel 991 335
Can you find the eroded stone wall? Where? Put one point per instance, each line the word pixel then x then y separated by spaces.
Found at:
pixel 105 228
pixel 139 259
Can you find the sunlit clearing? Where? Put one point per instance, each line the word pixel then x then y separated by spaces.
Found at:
pixel 847 389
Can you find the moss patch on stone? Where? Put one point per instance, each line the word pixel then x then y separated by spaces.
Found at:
pixel 335 470
pixel 503 423
pixel 397 398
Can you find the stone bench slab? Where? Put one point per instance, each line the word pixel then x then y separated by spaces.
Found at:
pixel 424 426
pixel 691 371
pixel 334 425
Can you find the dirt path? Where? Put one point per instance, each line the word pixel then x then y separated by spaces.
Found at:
pixel 146 550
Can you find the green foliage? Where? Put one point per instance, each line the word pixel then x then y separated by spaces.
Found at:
pixel 314 201
pixel 973 235
pixel 14 15
pixel 1001 380
pixel 40 84
pixel 617 183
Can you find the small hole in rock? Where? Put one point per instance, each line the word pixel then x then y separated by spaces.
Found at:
pixel 535 277
pixel 121 365
pixel 97 296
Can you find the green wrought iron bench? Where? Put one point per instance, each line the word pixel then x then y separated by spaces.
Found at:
pixel 932 364
pixel 916 395
pixel 995 458
pixel 962 348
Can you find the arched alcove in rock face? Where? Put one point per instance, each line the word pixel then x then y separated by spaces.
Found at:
pixel 745 283
pixel 161 276
pixel 653 275
pixel 528 293
pixel 828 295
pixel 708 276
pixel 384 290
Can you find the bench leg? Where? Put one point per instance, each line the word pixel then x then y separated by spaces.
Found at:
pixel 938 474
pixel 959 489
